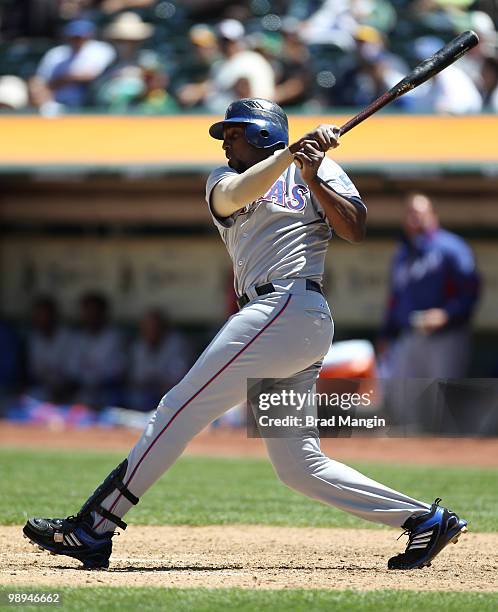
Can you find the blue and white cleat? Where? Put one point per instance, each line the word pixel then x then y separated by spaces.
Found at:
pixel 428 534
pixel 72 537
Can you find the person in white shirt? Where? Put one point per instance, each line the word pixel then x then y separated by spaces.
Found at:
pixel 159 360
pixel 69 69
pixel 452 91
pixel 239 74
pixel 47 349
pixel 98 362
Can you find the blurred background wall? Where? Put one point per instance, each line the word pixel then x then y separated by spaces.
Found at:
pixel 104 111
pixel 140 232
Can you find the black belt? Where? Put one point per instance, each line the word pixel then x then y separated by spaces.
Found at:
pixel 311 285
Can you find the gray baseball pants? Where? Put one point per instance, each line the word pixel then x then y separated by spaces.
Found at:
pixel 284 334
pixel 441 355
pixel 416 361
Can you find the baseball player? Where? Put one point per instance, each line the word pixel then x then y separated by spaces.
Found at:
pixel 276 220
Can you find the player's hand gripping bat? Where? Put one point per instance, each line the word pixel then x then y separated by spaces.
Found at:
pixel 421 73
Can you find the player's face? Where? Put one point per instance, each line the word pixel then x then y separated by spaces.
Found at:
pixel 240 154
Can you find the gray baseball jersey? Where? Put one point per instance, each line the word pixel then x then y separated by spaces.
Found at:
pixel 284 233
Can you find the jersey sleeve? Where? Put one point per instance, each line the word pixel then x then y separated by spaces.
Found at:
pixel 47 63
pixel 462 283
pixel 213 179
pixel 334 176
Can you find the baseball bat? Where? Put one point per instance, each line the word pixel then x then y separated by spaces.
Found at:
pixel 420 74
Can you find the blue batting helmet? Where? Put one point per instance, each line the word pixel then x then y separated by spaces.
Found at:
pixel 265 122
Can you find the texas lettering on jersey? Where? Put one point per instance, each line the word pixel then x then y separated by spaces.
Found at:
pixel 277 194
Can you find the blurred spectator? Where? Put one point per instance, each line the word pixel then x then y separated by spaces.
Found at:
pixel 159 359
pixel 432 17
pixel 142 89
pixel 48 351
pixel 367 73
pixel 10 362
pixel 115 6
pixel 489 84
pixel 13 93
pixel 135 79
pixel 241 73
pixel 77 9
pixel 380 14
pixel 41 98
pixel 295 71
pixel 317 53
pixel 155 96
pixel 97 362
pixel 336 21
pixel 434 288
pixel 205 43
pixel 126 32
pixel 333 21
pixel 69 69
pixel 203 54
pixel 472 62
pixel 450 91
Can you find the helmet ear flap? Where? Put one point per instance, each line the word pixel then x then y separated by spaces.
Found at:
pixel 258 136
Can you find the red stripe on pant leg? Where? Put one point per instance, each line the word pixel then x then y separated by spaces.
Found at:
pixel 191 399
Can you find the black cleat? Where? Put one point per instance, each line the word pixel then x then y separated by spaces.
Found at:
pixel 73 537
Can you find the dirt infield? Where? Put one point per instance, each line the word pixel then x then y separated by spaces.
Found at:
pixel 229 443
pixel 258 556
pixel 254 556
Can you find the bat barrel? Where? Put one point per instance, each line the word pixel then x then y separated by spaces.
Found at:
pixel 442 58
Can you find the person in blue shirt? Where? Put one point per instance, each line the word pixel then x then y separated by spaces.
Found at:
pixel 69 69
pixel 434 287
